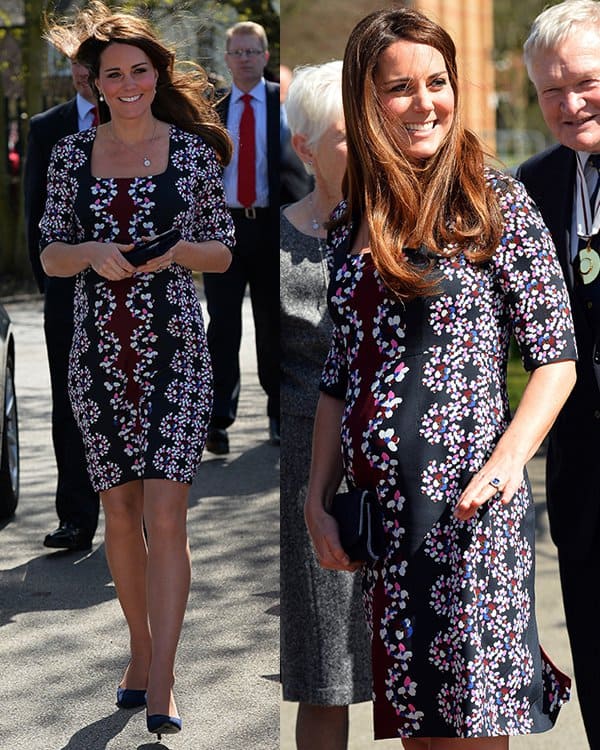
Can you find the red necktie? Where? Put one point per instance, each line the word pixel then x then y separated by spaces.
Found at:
pixel 247 156
pixel 95 120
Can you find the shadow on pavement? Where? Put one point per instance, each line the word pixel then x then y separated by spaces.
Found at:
pixel 253 472
pixel 54 582
pixel 96 736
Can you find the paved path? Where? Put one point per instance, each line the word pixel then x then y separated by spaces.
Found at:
pixel 568 733
pixel 63 644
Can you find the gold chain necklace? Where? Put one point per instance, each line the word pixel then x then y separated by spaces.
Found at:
pixel 147 162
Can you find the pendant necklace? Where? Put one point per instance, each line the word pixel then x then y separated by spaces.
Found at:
pixel 317 227
pixel 588 225
pixel 146 161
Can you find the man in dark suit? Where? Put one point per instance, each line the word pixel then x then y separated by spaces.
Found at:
pixel 76 502
pixel 562 55
pixel 253 104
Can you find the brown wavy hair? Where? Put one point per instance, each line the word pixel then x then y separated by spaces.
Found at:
pixel 443 202
pixel 183 97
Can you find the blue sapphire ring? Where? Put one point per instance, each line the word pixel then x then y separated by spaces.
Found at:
pixel 495 483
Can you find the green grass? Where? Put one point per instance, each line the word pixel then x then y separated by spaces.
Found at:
pixel 517 378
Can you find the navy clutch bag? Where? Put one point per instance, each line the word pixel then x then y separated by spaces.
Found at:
pixel 360 522
pixel 152 248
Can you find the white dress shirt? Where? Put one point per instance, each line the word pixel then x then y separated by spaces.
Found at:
pixel 591 177
pixel 85 116
pixel 236 107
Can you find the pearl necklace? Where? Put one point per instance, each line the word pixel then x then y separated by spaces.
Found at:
pixel 147 162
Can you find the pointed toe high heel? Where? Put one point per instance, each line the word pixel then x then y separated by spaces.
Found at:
pixel 130 698
pixel 160 724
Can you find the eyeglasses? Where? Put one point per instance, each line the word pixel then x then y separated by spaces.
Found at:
pixel 246 52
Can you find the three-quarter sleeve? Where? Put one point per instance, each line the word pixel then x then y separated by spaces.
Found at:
pixel 532 281
pixel 58 222
pixel 212 219
pixel 334 377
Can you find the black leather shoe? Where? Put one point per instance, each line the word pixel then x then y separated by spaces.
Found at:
pixel 217 441
pixel 274 437
pixel 68 536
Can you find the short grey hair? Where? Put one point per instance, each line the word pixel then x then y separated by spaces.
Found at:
pixel 314 100
pixel 554 24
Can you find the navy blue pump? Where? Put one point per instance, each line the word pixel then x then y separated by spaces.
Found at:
pixel 160 724
pixel 130 698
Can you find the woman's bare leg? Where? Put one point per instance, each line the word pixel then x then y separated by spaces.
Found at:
pixel 168 584
pixel 126 555
pixel 417 743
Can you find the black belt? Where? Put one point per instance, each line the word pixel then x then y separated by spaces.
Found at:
pixel 252 212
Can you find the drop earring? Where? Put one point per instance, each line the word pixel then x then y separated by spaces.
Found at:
pixel 100 98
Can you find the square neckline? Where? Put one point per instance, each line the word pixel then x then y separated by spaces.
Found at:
pixel 135 177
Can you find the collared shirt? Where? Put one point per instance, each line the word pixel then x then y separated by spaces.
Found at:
pixel 85 116
pixel 234 115
pixel 590 178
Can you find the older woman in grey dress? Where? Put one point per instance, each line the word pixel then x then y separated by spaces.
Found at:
pixel 325 653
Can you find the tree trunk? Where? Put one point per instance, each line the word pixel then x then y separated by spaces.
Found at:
pixel 33 57
pixel 7 221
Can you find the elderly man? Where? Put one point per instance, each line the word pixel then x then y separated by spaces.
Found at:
pixel 562 55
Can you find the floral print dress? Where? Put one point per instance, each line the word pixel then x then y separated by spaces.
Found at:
pixel 451 605
pixel 140 380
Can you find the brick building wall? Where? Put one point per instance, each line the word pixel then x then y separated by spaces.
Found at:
pixel 470 24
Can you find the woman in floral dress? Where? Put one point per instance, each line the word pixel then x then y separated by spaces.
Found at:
pixel 139 372
pixel 438 260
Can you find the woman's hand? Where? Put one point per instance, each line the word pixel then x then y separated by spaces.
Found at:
pixel 499 475
pixel 107 259
pixel 323 530
pixel 543 397
pixel 325 476
pixel 160 263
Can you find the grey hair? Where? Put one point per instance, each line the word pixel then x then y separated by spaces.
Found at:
pixel 554 24
pixel 314 100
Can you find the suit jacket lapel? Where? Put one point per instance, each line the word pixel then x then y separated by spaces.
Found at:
pixel 273 151
pixel 222 108
pixel 72 116
pixel 552 190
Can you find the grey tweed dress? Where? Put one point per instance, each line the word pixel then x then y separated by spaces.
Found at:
pixel 325 648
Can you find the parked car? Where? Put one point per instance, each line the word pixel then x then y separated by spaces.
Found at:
pixel 9 426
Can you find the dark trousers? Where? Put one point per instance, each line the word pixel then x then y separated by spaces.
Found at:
pixel 254 265
pixel 76 501
pixel 581 596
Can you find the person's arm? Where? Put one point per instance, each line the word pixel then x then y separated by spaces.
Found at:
pixel 325 476
pixel 207 247
pixel 546 392
pixel 62 254
pixel 211 256
pixel 106 258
